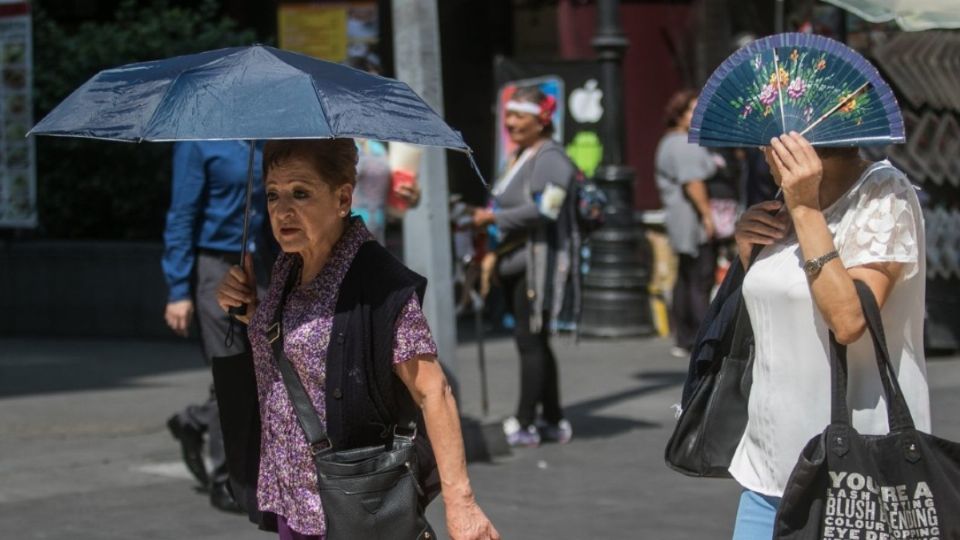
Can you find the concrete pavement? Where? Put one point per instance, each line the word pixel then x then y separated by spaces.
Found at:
pixel 84 453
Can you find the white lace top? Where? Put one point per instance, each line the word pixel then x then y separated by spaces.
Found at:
pixel 877 220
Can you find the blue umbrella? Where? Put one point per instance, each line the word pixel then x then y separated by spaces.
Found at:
pixel 246 93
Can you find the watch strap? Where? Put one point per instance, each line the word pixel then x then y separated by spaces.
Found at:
pixel 813 266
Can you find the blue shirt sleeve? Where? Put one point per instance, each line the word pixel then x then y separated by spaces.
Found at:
pixel 182 219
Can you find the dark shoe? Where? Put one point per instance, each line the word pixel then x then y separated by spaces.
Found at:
pixel 222 498
pixel 191 446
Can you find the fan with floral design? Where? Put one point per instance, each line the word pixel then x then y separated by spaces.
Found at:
pixel 806 83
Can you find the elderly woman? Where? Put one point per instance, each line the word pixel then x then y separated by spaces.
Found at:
pixel 534 215
pixel 843 219
pixel 309 188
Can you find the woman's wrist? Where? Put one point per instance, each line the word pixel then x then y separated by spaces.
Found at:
pixel 803 212
pixel 458 494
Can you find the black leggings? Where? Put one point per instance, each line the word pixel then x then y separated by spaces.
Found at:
pixel 539 381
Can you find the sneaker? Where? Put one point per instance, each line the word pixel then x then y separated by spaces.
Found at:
pixel 517 435
pixel 679 352
pixel 561 432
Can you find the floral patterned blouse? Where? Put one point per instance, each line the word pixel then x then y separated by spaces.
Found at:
pixel 287 485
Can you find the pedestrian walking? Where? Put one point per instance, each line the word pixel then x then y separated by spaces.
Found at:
pixel 682 171
pixel 201 241
pixel 533 210
pixel 374 186
pixel 842 219
pixel 332 265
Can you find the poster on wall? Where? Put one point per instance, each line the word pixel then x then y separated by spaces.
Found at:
pixel 18 185
pixel 335 31
pixel 574 84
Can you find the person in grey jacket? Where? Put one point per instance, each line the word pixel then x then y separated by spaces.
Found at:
pixel 682 171
pixel 533 211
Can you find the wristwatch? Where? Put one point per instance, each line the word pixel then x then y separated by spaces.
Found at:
pixel 813 266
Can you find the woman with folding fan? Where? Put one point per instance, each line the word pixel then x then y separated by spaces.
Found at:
pixel 811 102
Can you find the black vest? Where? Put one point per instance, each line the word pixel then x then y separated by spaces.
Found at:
pixel 363 395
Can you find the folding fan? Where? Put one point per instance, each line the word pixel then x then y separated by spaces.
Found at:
pixel 806 83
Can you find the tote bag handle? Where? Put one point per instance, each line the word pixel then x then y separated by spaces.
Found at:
pixel 898 413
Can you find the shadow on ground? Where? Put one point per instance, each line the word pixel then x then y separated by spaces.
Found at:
pixel 591 425
pixel 29 367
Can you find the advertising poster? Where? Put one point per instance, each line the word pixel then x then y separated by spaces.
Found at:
pixel 334 31
pixel 574 85
pixel 18 186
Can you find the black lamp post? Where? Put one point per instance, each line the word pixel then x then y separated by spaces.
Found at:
pixel 615 298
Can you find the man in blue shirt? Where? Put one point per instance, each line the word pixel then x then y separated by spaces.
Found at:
pixel 202 240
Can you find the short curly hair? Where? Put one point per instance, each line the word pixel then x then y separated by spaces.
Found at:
pixel 334 160
pixel 677 106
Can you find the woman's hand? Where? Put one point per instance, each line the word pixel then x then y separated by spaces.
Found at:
pixel 797 169
pixel 429 389
pixel 238 287
pixel 483 217
pixel 409 193
pixel 466 521
pixel 762 224
pixel 708 227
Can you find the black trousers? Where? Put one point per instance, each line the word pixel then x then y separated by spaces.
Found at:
pixel 539 380
pixel 691 292
pixel 214 324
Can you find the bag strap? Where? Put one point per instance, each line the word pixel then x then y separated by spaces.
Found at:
pixel 742 331
pixel 898 413
pixel 306 414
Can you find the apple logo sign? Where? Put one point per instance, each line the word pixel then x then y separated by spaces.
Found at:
pixel 585 104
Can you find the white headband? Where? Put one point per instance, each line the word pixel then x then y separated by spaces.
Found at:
pixel 524 107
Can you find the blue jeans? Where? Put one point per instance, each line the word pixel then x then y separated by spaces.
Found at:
pixel 755 516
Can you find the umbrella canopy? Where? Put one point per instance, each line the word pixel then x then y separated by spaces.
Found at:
pixel 911 15
pixel 246 93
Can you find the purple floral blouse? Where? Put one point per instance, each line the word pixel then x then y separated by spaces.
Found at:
pixel 287 485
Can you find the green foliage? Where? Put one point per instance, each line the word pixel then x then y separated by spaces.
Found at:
pixel 111 190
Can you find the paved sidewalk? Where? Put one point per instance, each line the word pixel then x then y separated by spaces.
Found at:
pixel 84 453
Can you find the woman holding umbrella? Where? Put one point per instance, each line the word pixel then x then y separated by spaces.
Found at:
pixel 309 188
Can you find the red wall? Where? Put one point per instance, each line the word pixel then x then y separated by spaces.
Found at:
pixel 649 71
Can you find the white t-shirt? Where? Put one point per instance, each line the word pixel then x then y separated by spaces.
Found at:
pixel 878 220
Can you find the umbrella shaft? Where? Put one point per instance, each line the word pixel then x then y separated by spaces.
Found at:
pixel 247 205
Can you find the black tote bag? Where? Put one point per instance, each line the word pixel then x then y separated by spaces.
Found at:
pixel 235 384
pixel 713 416
pixel 905 484
pixel 713 421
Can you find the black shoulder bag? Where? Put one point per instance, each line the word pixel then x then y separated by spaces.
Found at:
pixel 905 484
pixel 713 416
pixel 369 492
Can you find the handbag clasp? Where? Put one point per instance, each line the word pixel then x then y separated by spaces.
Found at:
pixel 273 332
pixel 411 431
pixel 320 447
